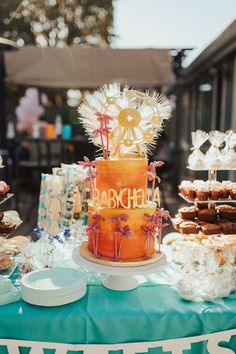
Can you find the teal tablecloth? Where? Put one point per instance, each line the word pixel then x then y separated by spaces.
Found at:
pixel 150 313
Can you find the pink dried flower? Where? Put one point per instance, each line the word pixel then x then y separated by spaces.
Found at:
pixel 162 213
pixel 100 132
pixel 150 232
pixel 151 218
pixel 87 163
pixel 125 231
pixel 94 230
pixel 92 171
pixel 92 227
pixel 152 176
pixel 104 129
pixel 103 119
pixel 96 216
pixel 119 218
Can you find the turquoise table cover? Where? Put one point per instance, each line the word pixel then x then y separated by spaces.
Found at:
pixel 151 312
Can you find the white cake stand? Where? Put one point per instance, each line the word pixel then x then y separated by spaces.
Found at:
pixel 119 278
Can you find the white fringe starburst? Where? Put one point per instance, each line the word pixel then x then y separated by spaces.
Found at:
pixel 111 100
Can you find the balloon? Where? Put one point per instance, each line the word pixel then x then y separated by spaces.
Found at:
pixel 29 110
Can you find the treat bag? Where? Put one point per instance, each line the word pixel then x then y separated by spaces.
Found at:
pixel 56 171
pixel 68 207
pixel 55 204
pixel 196 160
pixel 42 206
pixel 225 150
pixel 75 174
pixel 29 253
pixel 229 154
pixel 213 155
pixel 70 190
pixel 203 277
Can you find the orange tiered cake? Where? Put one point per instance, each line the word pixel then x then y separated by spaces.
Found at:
pixel 123 220
pixel 121 190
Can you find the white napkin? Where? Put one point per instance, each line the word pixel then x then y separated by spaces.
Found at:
pixel 8 292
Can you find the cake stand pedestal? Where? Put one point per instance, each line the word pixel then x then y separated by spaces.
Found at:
pixel 119 278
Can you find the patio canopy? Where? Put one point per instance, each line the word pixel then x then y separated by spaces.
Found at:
pixel 80 67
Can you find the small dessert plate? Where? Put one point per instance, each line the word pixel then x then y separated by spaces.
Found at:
pixel 53 287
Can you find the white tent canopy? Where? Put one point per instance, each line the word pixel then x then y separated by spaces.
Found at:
pixel 80 67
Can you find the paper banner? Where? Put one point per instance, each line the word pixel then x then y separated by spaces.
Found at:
pixel 175 346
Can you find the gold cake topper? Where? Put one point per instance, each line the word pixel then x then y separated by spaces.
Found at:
pixel 126 198
pixel 123 122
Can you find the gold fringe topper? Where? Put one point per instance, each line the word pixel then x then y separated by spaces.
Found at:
pixel 133 120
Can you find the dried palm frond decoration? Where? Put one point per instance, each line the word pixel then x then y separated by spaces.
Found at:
pixel 123 122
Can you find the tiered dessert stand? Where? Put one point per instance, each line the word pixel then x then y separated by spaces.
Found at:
pixel 212 176
pixel 8 196
pixel 119 278
pixel 2 201
pixel 8 272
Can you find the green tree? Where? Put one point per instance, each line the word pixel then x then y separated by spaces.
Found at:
pixel 57 23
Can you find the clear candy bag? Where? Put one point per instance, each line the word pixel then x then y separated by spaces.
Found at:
pixel 207 273
pixel 50 203
pixel 213 156
pixel 228 154
pixel 74 192
pixel 196 160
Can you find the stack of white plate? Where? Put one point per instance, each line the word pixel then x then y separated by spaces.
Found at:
pixel 53 287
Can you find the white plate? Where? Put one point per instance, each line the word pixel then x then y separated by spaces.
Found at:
pixel 53 287
pixel 53 301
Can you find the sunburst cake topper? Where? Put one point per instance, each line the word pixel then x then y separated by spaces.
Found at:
pixel 123 122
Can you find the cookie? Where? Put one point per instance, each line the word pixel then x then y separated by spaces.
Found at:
pixel 176 223
pixel 188 213
pixel 209 215
pixel 202 206
pixel 227 212
pixel 18 240
pixel 233 193
pixel 228 227
pixel 210 229
pixel 4 189
pixel 6 227
pixel 5 261
pixel 189 227
pixel 9 249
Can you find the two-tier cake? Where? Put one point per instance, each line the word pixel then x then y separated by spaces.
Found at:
pixel 123 216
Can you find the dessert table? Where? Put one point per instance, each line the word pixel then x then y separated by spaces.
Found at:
pixel 151 313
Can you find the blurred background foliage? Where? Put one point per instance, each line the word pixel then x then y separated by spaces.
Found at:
pixel 57 23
